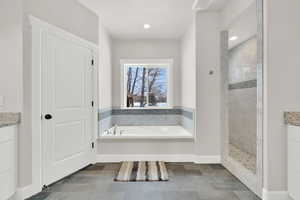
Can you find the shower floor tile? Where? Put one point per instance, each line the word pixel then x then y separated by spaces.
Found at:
pixel 246 159
pixel 188 181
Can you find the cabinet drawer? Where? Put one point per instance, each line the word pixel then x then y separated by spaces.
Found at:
pixel 7 133
pixel 7 162
pixel 293 146
pixel 7 156
pixel 7 184
pixel 293 185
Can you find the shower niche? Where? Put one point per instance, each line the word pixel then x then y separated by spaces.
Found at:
pixel 242 75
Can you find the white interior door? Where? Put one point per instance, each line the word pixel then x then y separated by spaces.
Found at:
pixel 66 106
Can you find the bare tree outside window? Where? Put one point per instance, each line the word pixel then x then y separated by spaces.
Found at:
pixel 146 86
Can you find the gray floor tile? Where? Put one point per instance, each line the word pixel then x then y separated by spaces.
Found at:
pixel 217 195
pixel 149 195
pixel 107 196
pixel 246 195
pixel 188 181
pixel 180 195
pixel 231 185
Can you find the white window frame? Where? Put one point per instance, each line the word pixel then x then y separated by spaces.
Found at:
pixel 165 62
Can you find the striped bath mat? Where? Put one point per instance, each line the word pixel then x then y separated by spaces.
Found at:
pixel 142 171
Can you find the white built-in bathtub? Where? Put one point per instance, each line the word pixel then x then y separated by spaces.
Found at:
pixel 146 132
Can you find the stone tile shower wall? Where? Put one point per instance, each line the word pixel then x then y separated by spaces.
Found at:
pixel 242 96
pixel 150 117
pixel 155 117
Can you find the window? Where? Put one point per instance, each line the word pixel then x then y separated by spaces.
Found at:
pixel 146 84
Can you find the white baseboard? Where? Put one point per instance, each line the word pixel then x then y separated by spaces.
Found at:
pixel 25 192
pixel 159 157
pixel 275 195
pixel 207 159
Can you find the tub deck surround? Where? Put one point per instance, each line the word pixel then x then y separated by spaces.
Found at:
pixel 147 111
pixel 176 116
pixel 186 112
pixel 149 132
pixel 103 114
pixel 292 118
pixel 9 118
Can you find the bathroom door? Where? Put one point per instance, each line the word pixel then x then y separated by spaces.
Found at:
pixel 66 106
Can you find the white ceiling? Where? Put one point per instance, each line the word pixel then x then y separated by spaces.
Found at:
pixel 245 26
pixel 218 4
pixel 124 19
pixel 209 4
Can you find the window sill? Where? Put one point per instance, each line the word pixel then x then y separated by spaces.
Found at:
pixel 147 108
pixel 174 137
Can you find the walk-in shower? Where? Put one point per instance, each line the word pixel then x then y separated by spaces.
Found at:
pixel 242 79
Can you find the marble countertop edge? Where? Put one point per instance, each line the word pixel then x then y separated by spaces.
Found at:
pixel 9 118
pixel 292 118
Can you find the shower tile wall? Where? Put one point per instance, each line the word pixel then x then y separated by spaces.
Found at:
pixel 242 94
pixel 243 62
pixel 242 119
pixel 147 120
pixel 151 117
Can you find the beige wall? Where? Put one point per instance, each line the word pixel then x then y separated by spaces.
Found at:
pixel 188 68
pixel 11 55
pixel 105 68
pixel 67 14
pixel 208 86
pixel 146 49
pixel 233 9
pixel 282 47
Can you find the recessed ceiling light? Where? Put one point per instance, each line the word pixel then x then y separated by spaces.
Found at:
pixel 147 26
pixel 233 38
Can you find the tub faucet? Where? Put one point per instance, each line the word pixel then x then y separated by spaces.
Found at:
pixel 115 129
pixel 106 132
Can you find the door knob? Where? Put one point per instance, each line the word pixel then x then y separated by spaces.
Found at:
pixel 48 116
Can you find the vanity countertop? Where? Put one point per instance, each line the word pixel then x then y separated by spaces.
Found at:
pixel 9 118
pixel 292 118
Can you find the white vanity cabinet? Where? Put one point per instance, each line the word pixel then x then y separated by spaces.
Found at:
pixel 8 172
pixel 293 145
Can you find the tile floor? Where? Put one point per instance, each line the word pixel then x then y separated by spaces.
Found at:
pixel 188 181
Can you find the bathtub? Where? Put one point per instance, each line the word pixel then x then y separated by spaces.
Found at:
pixel 146 132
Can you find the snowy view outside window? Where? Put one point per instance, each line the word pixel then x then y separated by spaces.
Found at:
pixel 147 86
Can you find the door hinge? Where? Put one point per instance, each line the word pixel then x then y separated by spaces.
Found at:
pixel 44 187
pixel 93 145
pixel 92 62
pixel 92 103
